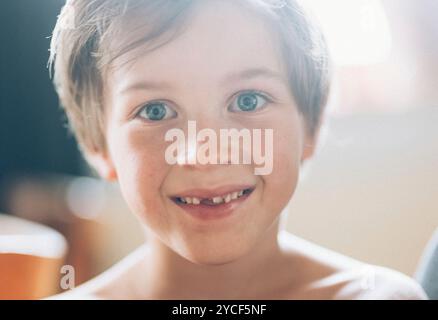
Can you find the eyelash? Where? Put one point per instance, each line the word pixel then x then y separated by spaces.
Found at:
pixel 249 91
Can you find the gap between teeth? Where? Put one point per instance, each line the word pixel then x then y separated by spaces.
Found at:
pixel 227 198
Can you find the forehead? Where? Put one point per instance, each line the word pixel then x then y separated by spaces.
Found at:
pixel 218 38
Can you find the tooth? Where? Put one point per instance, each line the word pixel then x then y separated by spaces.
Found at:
pixel 196 200
pixel 188 199
pixel 217 200
pixel 240 193
pixel 182 200
pixel 234 195
pixel 227 198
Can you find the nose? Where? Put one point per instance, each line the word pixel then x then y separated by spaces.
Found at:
pixel 207 144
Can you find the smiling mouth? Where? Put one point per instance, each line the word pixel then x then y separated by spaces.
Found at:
pixel 215 200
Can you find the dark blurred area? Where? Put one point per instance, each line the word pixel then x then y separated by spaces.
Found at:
pixel 33 137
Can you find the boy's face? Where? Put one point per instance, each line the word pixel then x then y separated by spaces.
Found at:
pixel 193 70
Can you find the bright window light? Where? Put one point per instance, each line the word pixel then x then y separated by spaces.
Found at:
pixel 357 30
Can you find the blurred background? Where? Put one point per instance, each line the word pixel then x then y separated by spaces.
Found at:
pixel 375 174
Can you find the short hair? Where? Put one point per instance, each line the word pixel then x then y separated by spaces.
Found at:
pixel 80 53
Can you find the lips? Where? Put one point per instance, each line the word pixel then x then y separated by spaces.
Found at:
pixel 212 197
pixel 213 204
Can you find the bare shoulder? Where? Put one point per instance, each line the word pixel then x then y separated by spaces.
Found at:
pixel 93 289
pixel 114 283
pixel 327 274
pixel 76 294
pixel 388 284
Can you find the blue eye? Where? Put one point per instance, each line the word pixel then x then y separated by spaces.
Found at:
pixel 249 101
pixel 156 111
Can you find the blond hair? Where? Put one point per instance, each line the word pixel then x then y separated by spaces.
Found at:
pixel 81 50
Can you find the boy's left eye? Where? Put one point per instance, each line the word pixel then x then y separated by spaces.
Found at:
pixel 249 101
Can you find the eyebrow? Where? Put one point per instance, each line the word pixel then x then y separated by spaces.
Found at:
pixel 245 74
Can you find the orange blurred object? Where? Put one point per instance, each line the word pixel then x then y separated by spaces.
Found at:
pixel 31 256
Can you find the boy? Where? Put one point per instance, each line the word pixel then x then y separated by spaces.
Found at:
pixel 132 75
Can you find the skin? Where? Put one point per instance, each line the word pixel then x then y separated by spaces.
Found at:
pixel 244 256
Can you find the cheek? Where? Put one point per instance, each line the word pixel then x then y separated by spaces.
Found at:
pixel 139 160
pixel 281 183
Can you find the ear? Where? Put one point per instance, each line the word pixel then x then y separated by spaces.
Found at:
pixel 103 164
pixel 309 147
pixel 310 142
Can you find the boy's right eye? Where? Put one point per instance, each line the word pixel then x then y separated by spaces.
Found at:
pixel 156 111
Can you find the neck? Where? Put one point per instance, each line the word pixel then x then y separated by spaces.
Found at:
pixel 171 276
